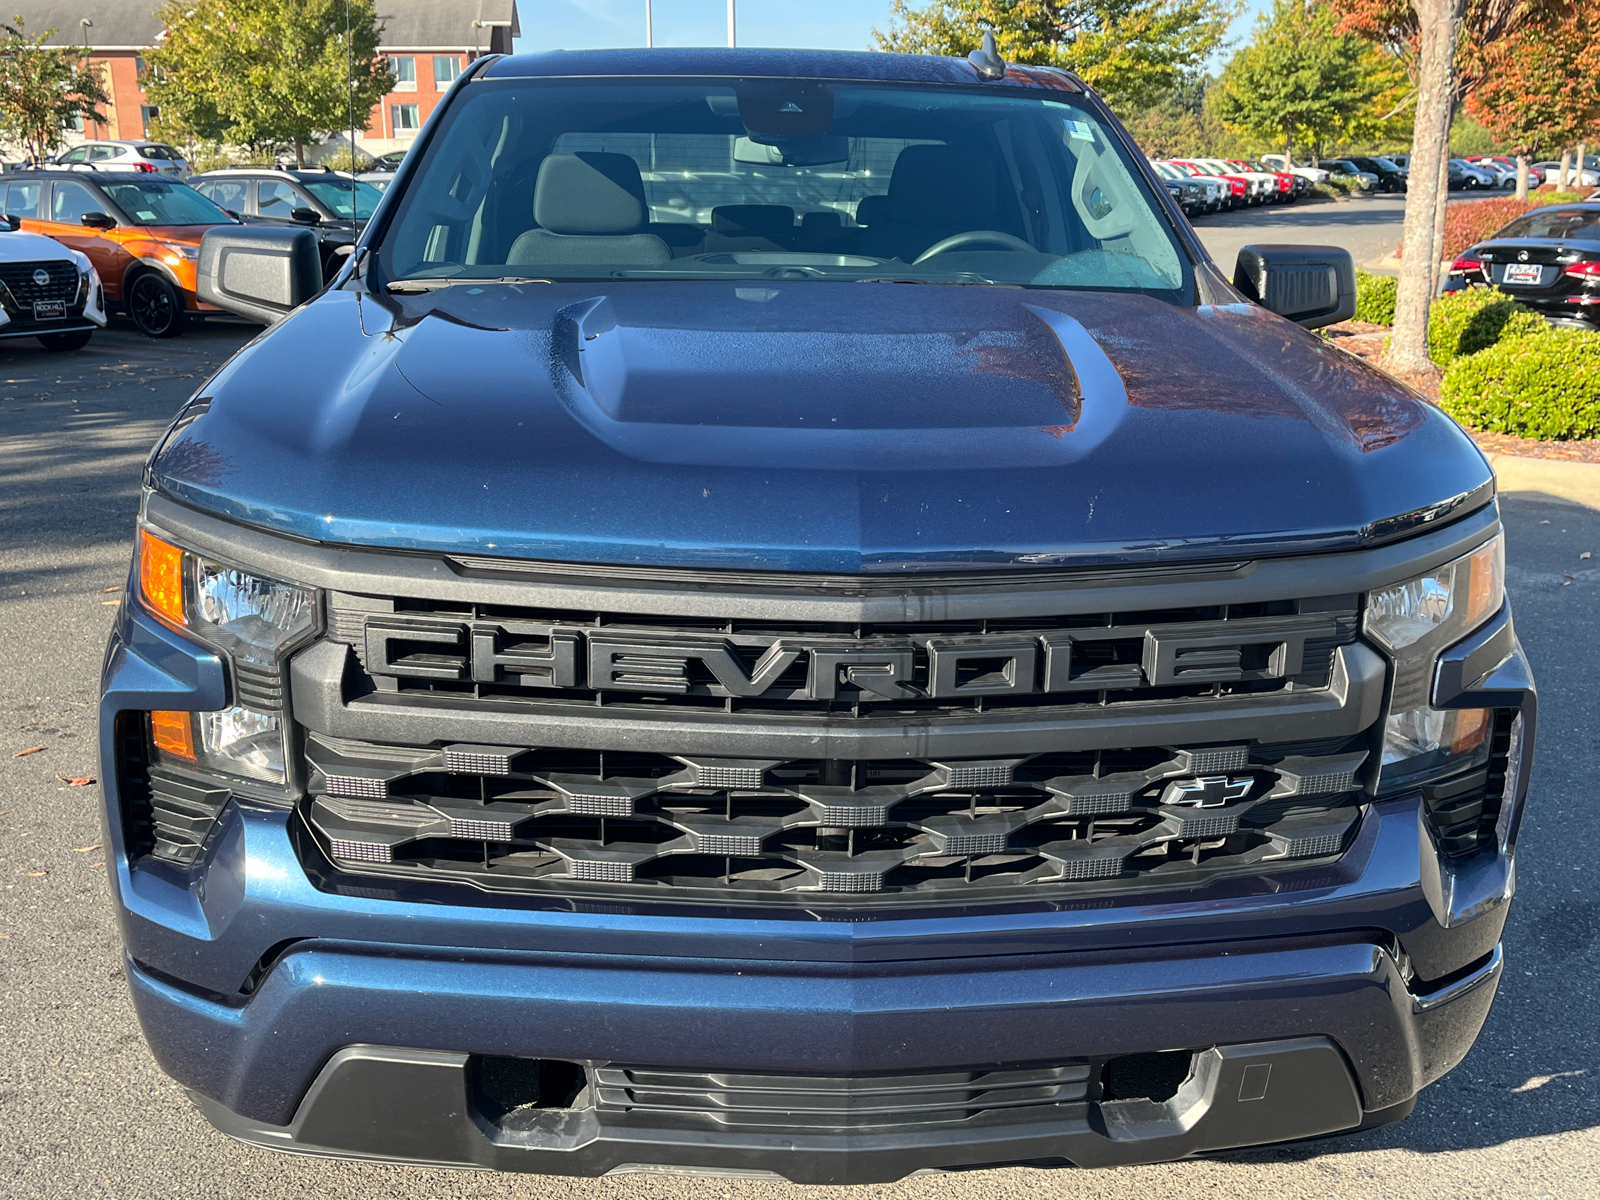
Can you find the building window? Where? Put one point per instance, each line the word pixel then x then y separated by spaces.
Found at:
pixel 138 64
pixel 445 70
pixel 405 72
pixel 403 117
pixel 149 113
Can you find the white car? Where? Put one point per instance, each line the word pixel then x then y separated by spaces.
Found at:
pixel 47 291
pixel 1282 163
pixel 1263 187
pixel 1504 176
pixel 155 158
pixel 1588 177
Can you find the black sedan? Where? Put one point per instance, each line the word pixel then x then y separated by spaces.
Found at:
pixel 1548 259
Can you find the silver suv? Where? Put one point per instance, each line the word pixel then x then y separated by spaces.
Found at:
pixel 152 157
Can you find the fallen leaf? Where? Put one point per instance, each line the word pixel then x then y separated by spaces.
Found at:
pixel 108 591
pixel 85 849
pixel 1568 575
pixel 7 812
pixel 28 751
pixel 76 780
pixel 92 866
pixel 36 874
pixel 1544 522
pixel 5 937
pixel 1585 555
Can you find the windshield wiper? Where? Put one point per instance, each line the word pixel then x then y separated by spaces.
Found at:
pixel 418 286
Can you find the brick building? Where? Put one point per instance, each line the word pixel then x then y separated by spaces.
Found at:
pixel 428 43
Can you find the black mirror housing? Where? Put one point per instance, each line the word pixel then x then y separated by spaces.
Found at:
pixel 98 220
pixel 1310 285
pixel 305 216
pixel 258 272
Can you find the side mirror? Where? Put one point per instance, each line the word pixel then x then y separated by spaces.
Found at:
pixel 305 216
pixel 97 220
pixel 13 221
pixel 259 272
pixel 1311 285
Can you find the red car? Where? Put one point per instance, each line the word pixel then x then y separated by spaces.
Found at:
pixel 1238 189
pixel 1288 188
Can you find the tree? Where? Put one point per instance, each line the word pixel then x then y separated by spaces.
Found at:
pixel 1298 78
pixel 1443 45
pixel 43 90
pixel 1540 88
pixel 257 72
pixel 1130 51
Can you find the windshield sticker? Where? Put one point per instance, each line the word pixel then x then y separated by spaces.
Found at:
pixel 144 214
pixel 1081 130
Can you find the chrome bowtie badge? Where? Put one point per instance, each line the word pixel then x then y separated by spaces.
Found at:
pixel 1209 791
pixel 41 276
pixel 1522 256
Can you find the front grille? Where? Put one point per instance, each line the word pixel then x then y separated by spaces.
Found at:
pixel 643 1096
pixel 509 657
pixel 805 829
pixel 23 290
pixel 1464 809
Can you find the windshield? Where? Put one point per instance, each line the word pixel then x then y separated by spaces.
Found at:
pixel 1580 224
pixel 347 198
pixel 783 179
pixel 158 202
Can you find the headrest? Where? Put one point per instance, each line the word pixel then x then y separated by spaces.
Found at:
pixel 753 220
pixel 589 193
pixel 942 186
pixel 816 221
pixel 872 210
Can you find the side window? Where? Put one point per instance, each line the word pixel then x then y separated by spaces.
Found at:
pixel 69 201
pixel 76 155
pixel 101 153
pixel 226 193
pixel 22 200
pixel 275 198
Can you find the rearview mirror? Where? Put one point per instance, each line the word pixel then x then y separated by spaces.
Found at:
pixel 1311 285
pixel 97 220
pixel 262 273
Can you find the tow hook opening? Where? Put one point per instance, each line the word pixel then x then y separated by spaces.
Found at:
pixel 1154 1077
pixel 503 1088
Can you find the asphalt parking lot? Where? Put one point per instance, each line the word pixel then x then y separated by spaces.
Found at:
pixel 1367 226
pixel 85 1112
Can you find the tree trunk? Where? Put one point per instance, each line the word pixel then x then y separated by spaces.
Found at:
pixel 1522 177
pixel 1583 151
pixel 1566 169
pixel 1440 212
pixel 1288 146
pixel 1440 24
pixel 299 153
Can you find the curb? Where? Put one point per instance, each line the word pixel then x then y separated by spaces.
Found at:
pixel 1570 482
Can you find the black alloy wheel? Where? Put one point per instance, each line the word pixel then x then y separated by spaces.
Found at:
pixel 156 307
pixel 76 340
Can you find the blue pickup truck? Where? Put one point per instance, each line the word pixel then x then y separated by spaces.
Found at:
pixel 780 616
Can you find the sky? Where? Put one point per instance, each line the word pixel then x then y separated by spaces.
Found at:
pixel 812 24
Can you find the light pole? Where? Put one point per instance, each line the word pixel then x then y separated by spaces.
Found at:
pixel 649 26
pixel 733 23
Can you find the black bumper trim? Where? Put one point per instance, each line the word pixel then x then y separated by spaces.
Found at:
pixel 415 1106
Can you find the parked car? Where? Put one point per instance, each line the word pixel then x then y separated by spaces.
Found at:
pixel 1391 175
pixel 1241 191
pixel 1551 173
pixel 141 232
pixel 1196 193
pixel 1284 189
pixel 1343 168
pixel 589 703
pixel 1472 177
pixel 47 291
pixel 151 158
pixel 333 203
pixel 1547 259
pixel 1263 188
pixel 1279 162
pixel 1506 163
pixel 1504 176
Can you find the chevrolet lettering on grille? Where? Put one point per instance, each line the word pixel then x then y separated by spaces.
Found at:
pixel 810 668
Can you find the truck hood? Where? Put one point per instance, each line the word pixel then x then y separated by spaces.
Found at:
pixel 821 427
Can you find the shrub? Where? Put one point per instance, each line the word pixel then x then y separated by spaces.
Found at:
pixel 1461 323
pixel 1543 385
pixel 1344 184
pixel 1375 297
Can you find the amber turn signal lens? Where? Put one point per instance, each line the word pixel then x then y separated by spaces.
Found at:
pixel 161 577
pixel 173 733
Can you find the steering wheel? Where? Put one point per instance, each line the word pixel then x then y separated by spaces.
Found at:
pixel 990 237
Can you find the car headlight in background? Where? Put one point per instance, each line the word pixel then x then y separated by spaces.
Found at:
pixel 174 254
pixel 1414 621
pixel 252 620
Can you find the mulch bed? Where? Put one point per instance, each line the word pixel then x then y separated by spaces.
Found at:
pixel 1367 341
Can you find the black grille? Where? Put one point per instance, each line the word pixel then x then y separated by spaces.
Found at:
pixel 62 287
pixel 1464 809
pixel 802 830
pixel 817 1104
pixel 505 656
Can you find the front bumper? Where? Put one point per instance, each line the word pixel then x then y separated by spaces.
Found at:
pixel 350 1022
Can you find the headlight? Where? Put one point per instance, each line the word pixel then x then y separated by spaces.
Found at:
pixel 251 619
pixel 1414 621
pixel 173 252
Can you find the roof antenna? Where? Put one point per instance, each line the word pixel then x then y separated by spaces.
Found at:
pixel 987 61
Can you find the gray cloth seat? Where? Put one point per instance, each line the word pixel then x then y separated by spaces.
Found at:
pixel 590 209
pixel 934 192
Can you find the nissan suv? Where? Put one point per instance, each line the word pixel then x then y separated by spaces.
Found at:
pixel 780 616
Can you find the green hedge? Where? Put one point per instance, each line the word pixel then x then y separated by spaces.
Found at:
pixel 1375 297
pixel 1542 385
pixel 1461 323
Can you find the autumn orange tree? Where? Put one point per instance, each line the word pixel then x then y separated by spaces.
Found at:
pixel 1446 47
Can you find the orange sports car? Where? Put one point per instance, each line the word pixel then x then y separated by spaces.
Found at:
pixel 141 232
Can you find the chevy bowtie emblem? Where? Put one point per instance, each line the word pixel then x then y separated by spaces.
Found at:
pixel 41 276
pixel 1209 791
pixel 1522 256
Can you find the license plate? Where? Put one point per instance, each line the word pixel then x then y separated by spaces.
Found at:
pixel 48 310
pixel 1524 272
